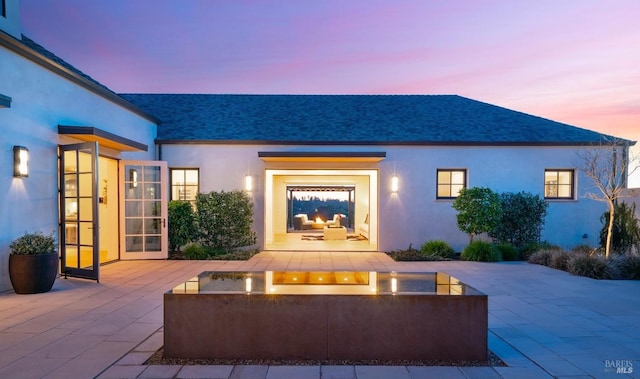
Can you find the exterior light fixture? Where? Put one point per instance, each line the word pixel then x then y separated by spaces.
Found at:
pixel 20 162
pixel 247 285
pixel 248 183
pixel 394 183
pixel 394 283
pixel 133 177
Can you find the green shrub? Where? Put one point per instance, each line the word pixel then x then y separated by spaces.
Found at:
pixel 522 218
pixel 182 229
pixel 195 251
pixel 508 252
pixel 33 244
pixel 559 259
pixel 437 248
pixel 540 257
pixel 411 254
pixel 624 267
pixel 591 266
pixel 224 221
pixel 481 251
pixel 238 255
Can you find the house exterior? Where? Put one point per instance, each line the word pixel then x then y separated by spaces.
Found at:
pixel 431 144
pixel 45 104
pixel 102 166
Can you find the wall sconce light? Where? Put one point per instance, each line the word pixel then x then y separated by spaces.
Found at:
pixel 394 183
pixel 133 177
pixel 20 162
pixel 248 183
pixel 394 283
pixel 247 285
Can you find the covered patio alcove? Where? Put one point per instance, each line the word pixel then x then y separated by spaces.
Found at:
pixel 361 184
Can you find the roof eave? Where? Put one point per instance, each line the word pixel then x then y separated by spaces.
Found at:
pixel 160 141
pixel 18 47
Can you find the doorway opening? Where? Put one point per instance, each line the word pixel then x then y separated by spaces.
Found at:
pixel 327 226
pixel 105 217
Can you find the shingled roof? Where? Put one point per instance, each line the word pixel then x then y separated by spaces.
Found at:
pixel 350 119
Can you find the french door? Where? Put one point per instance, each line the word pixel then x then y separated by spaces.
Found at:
pixel 79 231
pixel 143 210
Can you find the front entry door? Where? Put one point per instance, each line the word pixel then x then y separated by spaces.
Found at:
pixel 79 231
pixel 143 204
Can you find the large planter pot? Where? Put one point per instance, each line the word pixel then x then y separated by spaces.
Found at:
pixel 33 273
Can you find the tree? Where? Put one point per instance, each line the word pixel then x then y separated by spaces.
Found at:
pixel 608 166
pixel 479 211
pixel 522 219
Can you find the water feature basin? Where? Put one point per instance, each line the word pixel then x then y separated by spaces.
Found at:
pixel 325 315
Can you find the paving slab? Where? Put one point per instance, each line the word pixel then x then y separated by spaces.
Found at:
pixel 440 372
pixel 160 372
pixel 382 372
pixel 205 372
pixel 298 372
pixel 338 372
pixel 249 372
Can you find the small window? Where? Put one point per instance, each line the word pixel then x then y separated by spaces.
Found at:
pixel 3 8
pixel 558 184
pixel 185 183
pixel 450 183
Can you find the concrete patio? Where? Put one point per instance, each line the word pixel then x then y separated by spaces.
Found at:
pixel 543 323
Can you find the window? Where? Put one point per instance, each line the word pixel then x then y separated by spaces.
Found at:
pixel 3 8
pixel 558 184
pixel 450 182
pixel 185 184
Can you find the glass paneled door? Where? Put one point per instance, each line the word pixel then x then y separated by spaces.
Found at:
pixel 79 231
pixel 143 197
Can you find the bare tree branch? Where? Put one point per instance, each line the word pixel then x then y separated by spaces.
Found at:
pixel 608 165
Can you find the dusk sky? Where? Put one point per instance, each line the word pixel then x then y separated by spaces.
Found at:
pixel 573 61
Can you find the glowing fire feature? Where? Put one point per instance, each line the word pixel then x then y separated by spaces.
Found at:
pixel 319 220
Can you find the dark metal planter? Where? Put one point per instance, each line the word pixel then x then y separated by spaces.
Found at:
pixel 33 273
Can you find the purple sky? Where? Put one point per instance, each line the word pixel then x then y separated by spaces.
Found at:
pixel 574 61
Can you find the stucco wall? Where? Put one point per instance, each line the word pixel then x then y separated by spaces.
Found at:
pixel 41 100
pixel 413 215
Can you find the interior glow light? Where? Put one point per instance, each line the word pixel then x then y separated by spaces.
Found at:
pixel 272 289
pixel 394 183
pixel 247 285
pixel 20 162
pixel 248 183
pixel 394 285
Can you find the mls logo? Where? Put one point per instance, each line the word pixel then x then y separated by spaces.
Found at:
pixel 619 366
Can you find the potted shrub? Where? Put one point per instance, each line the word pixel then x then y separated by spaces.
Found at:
pixel 33 263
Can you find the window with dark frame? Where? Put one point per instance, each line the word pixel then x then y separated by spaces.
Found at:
pixel 185 184
pixel 559 184
pixel 450 182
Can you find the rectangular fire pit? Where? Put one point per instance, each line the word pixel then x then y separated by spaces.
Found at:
pixel 325 316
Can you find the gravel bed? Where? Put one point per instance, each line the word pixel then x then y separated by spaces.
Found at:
pixel 158 359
